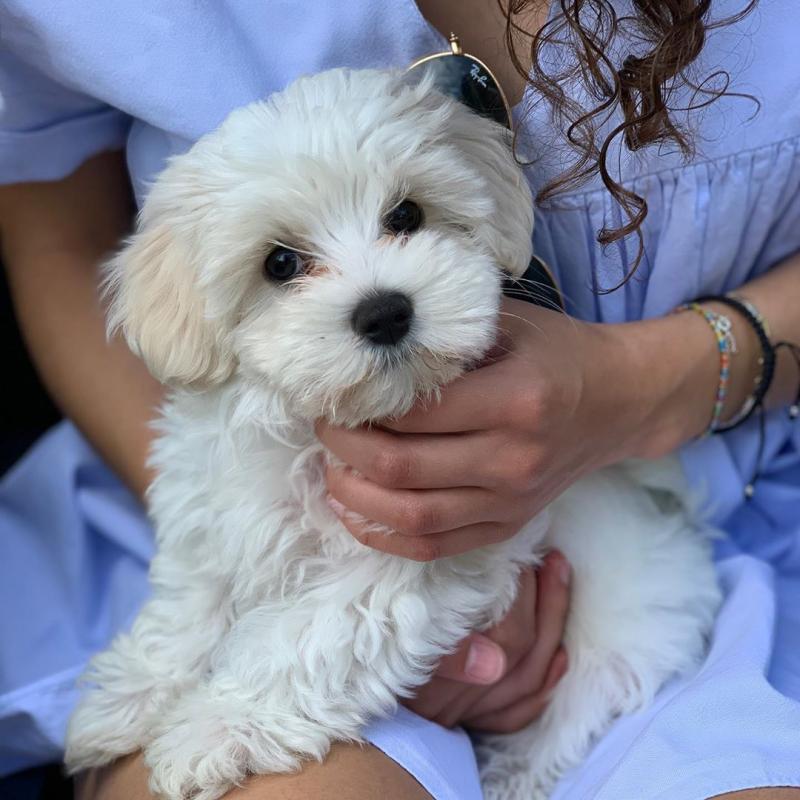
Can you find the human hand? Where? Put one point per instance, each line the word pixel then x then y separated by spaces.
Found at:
pixel 503 441
pixel 502 680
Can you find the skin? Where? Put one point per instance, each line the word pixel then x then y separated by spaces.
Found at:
pixel 772 793
pixel 349 771
pixel 363 773
pixel 54 234
pixel 565 398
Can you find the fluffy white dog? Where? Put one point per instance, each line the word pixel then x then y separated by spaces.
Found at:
pixel 338 251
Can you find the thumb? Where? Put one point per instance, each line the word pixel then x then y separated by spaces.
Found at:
pixel 477 660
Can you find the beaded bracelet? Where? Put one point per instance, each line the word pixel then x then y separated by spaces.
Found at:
pixel 754 403
pixel 766 361
pixel 762 383
pixel 753 310
pixel 723 332
pixel 752 400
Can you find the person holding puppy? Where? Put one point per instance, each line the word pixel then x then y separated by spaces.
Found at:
pixel 642 383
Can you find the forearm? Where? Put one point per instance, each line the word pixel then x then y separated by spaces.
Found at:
pixel 675 363
pixel 54 236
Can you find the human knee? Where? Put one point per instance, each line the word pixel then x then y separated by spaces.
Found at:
pixel 360 772
pixel 764 793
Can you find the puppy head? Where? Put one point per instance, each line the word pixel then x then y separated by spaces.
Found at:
pixel 343 242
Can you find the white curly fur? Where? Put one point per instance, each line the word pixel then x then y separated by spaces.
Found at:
pixel 271 632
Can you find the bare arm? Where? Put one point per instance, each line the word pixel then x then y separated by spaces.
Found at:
pixel 673 363
pixel 53 236
pixel 569 397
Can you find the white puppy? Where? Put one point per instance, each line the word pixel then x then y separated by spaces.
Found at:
pixel 337 251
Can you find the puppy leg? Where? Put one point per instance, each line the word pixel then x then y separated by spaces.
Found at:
pixel 287 682
pixel 133 681
pixel 220 732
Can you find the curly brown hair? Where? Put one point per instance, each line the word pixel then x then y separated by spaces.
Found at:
pixel 669 35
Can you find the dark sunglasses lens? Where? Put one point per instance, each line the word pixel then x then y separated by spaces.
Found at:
pixel 535 286
pixel 464 79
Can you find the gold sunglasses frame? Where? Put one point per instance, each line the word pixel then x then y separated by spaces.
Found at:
pixel 457 50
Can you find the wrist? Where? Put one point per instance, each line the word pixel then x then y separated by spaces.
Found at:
pixel 745 372
pixel 662 375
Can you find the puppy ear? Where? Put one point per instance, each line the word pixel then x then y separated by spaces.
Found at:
pixel 508 233
pixel 154 300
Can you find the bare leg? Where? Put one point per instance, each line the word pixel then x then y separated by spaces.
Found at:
pixel 349 771
pixel 770 793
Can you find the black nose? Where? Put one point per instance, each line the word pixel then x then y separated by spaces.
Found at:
pixel 383 318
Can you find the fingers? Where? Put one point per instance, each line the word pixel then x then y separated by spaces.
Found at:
pixel 414 512
pixel 424 548
pixel 478 660
pixel 515 634
pixel 459 679
pixel 414 462
pixel 553 594
pixel 435 700
pixel 473 402
pixel 504 687
pixel 529 675
pixel 480 399
pixel 520 714
pixel 530 634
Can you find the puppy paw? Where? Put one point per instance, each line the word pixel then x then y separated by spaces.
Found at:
pixel 211 741
pixel 197 759
pixel 103 727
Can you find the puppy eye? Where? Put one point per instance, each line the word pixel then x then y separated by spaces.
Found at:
pixel 282 264
pixel 405 218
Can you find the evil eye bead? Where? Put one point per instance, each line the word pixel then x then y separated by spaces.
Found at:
pixel 283 264
pixel 403 219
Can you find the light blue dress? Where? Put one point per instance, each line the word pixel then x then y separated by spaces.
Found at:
pixel 82 76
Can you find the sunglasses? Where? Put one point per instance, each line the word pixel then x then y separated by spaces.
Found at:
pixel 467 79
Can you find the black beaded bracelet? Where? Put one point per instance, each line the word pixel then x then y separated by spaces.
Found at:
pixel 766 360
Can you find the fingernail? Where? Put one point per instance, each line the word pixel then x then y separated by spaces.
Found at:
pixel 485 661
pixel 336 506
pixel 561 566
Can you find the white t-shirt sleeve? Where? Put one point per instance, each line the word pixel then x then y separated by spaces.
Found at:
pixel 48 130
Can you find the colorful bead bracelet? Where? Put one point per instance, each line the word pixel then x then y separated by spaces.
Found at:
pixel 766 361
pixel 755 402
pixel 723 332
